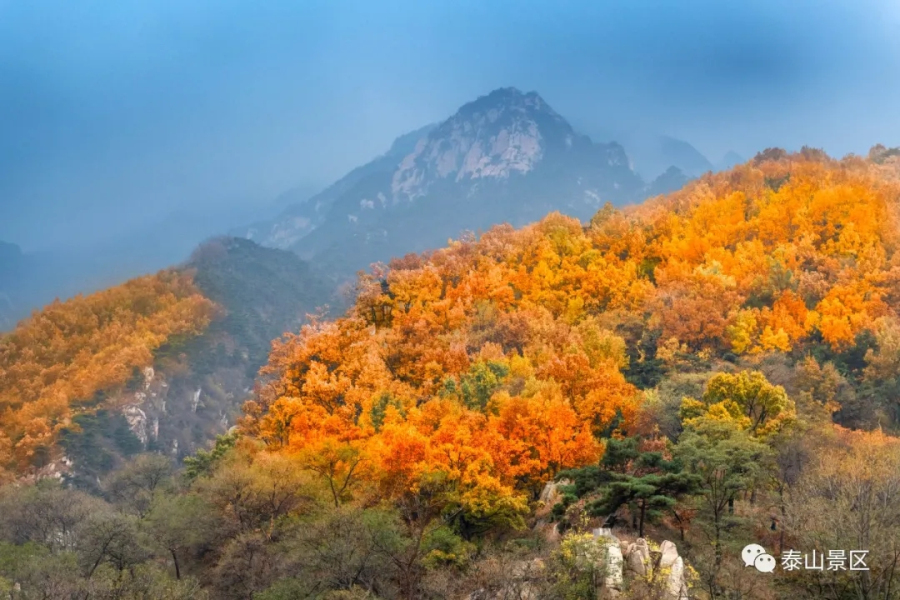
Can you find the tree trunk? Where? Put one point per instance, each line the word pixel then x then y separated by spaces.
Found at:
pixel 718 561
pixel 643 514
pixel 177 568
pixel 783 518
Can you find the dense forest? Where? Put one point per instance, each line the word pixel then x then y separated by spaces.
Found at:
pixel 716 367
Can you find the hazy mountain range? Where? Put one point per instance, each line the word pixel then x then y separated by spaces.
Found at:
pixel 29 280
pixel 652 154
pixel 504 157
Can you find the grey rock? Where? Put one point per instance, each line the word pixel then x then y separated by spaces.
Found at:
pixel 676 588
pixel 637 557
pixel 615 561
pixel 669 553
pixel 550 495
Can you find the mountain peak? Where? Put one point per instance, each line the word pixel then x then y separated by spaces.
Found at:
pixel 500 100
pixel 504 93
pixel 496 136
pixel 508 95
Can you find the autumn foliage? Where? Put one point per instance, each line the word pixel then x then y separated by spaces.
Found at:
pixel 718 366
pixel 54 364
pixel 473 364
pixel 497 362
pixel 773 253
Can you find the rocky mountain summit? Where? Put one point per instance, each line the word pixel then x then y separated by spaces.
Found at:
pixel 507 134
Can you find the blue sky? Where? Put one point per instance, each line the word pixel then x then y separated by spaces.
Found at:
pixel 114 113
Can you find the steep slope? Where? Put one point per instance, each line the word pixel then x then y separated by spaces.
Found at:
pixel 162 362
pixel 264 292
pixel 506 157
pixel 790 256
pixel 65 359
pixel 505 135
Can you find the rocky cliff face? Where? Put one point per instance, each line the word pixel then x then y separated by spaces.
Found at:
pixel 494 137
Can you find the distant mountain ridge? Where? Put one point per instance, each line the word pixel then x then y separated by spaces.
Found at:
pixel 11 266
pixel 730 160
pixel 504 157
pixel 652 154
pixel 32 279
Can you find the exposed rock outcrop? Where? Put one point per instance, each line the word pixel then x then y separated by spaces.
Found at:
pixel 614 579
pixel 664 568
pixel 551 494
pixel 637 558
pixel 521 584
pixel 137 422
pixel 676 586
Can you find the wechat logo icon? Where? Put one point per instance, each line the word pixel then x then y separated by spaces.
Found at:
pixel 756 556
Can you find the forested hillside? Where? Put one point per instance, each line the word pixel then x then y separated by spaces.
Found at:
pixel 67 355
pixel 716 367
pixel 159 362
